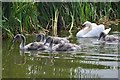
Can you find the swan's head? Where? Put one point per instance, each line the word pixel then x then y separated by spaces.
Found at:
pixel 18 37
pixel 102 36
pixel 86 24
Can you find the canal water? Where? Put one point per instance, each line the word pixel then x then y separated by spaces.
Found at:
pixel 91 61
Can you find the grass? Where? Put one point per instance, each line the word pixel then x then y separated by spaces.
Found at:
pixel 30 17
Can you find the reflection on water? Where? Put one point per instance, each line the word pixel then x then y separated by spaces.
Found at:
pixel 92 61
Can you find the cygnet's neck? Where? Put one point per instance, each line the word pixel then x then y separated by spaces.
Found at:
pixel 42 38
pixel 102 36
pixel 50 45
pixel 22 42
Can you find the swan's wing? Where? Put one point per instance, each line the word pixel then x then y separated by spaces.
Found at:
pixel 33 46
pixel 58 47
pixel 94 25
pixel 58 40
pixel 82 32
pixel 95 32
pixel 28 46
pixel 111 38
pixel 106 31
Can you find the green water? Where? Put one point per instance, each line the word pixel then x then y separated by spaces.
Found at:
pixel 92 61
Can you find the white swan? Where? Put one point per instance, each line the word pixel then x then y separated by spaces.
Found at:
pixel 90 30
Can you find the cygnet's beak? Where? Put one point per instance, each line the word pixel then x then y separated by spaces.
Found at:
pixel 13 40
pixel 16 38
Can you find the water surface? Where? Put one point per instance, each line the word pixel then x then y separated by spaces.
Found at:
pixel 92 61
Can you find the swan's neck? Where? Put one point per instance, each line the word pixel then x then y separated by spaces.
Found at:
pixel 22 42
pixel 87 29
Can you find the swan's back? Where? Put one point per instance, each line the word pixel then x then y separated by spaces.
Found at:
pixel 112 38
pixel 88 27
pixel 58 40
pixel 95 32
pixel 94 25
pixel 34 46
pixel 106 31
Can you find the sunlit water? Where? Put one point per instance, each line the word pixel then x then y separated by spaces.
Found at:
pixel 91 61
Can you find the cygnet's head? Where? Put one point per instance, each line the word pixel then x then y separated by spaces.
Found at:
pixel 40 37
pixel 49 40
pixel 102 36
pixel 18 37
pixel 86 24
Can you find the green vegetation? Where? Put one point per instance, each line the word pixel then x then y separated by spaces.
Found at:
pixel 31 17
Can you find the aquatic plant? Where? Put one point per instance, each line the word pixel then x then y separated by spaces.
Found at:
pixel 30 17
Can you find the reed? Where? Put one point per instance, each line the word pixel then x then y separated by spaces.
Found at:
pixel 71 23
pixel 54 27
pixel 29 17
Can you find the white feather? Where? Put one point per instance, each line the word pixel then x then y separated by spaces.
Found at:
pixel 91 30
